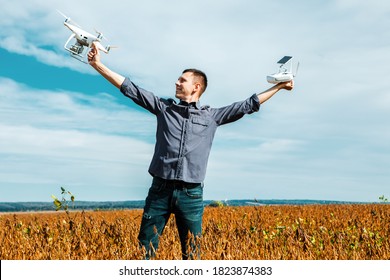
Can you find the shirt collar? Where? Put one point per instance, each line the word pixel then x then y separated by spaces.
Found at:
pixel 195 105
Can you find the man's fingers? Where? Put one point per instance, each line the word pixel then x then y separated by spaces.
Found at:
pixel 94 48
pixel 290 85
pixel 93 52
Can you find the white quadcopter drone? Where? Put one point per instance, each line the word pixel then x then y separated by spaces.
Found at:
pixel 81 41
pixel 283 75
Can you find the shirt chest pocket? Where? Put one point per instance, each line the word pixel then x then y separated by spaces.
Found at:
pixel 199 125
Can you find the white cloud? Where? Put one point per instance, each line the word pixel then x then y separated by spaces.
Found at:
pixel 70 110
pixel 223 37
pixel 49 139
pixel 335 120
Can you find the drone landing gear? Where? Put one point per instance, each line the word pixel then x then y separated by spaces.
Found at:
pixel 76 50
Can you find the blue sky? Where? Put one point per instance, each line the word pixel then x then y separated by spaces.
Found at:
pixel 63 125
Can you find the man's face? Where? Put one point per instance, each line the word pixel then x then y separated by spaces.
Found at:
pixel 185 87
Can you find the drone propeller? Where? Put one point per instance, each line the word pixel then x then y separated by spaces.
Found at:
pixel 62 14
pixel 67 19
pixel 99 46
pixel 108 48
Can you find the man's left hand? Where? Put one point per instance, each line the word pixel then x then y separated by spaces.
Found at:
pixel 288 85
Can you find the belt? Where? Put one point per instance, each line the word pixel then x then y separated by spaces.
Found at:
pixel 175 184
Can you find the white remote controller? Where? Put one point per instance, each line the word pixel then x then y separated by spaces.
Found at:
pixel 284 75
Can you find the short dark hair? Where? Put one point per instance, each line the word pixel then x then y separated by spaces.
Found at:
pixel 199 74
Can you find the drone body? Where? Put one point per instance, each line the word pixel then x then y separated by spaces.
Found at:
pixel 80 41
pixel 284 75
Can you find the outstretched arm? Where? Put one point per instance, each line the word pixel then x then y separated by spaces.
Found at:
pixel 267 94
pixel 94 60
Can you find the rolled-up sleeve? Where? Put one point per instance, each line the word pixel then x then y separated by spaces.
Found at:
pixel 140 96
pixel 236 110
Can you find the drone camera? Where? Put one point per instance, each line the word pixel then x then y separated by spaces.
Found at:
pixel 77 49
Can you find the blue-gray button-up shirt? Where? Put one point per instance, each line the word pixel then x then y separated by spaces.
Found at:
pixel 185 132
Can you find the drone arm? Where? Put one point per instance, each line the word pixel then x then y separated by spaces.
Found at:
pixel 100 47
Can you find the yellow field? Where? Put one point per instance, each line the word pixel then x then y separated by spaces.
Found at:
pixel 357 232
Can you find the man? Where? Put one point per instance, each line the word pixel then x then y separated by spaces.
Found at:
pixel 185 132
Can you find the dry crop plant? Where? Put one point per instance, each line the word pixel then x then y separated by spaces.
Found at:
pixel 79 235
pixel 261 232
pixel 298 232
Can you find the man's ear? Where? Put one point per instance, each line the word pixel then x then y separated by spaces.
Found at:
pixel 197 88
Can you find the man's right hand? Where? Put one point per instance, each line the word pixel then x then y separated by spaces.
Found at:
pixel 93 55
pixel 94 60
